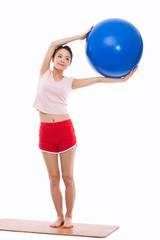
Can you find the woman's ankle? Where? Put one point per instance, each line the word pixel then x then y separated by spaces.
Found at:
pixel 68 215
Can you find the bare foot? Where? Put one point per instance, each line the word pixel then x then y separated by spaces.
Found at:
pixel 59 222
pixel 68 223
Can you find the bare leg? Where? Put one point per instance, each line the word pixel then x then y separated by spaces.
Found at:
pixel 51 161
pixel 67 165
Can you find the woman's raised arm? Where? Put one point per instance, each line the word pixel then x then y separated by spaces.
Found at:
pixel 47 59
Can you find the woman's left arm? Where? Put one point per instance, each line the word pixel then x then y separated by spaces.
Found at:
pixel 85 82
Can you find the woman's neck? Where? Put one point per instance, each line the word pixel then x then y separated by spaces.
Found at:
pixel 57 75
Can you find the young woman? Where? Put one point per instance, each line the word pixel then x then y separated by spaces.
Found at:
pixel 56 134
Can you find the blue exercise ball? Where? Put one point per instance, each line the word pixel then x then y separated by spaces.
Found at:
pixel 114 47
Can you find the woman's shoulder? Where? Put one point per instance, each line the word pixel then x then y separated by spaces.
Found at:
pixel 46 73
pixel 48 70
pixel 67 77
pixel 68 81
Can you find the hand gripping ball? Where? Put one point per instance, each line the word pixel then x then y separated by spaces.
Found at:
pixel 114 47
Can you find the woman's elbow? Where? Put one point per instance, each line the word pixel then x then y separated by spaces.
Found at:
pixel 99 79
pixel 53 44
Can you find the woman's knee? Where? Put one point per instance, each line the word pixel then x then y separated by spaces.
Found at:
pixel 68 180
pixel 54 180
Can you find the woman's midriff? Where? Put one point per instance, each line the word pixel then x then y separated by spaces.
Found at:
pixel 49 118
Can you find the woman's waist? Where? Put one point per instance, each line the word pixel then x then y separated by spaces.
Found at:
pixel 50 118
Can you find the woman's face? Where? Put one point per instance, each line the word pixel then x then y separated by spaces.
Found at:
pixel 62 59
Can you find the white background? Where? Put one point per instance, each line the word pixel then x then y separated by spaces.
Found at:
pixel 117 125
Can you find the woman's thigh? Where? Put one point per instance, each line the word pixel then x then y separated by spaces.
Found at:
pixel 51 161
pixel 67 162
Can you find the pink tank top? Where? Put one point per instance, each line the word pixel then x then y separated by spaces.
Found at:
pixel 52 95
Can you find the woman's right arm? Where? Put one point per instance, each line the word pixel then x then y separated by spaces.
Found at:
pixel 47 59
pixel 46 62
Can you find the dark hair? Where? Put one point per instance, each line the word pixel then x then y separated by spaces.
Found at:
pixel 63 47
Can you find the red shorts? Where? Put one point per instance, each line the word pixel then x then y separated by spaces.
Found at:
pixel 57 137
